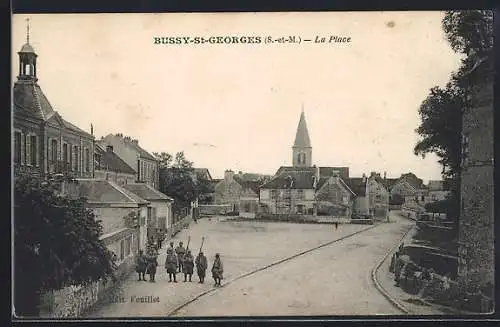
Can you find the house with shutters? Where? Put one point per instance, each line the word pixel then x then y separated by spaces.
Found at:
pixel 145 165
pixel 236 190
pixel 159 214
pixel 43 142
pixel 109 166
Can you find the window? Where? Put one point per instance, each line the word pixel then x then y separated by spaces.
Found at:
pixel 33 150
pixel 150 211
pixel 128 245
pixel 17 147
pixel 75 162
pixel 65 154
pixel 87 160
pixel 53 154
pixel 23 153
pixel 423 198
pixel 122 249
pixel 70 156
pixel 274 194
pixel 300 194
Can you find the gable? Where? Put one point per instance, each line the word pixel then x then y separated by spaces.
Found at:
pixel 402 187
pixel 333 189
pixel 55 120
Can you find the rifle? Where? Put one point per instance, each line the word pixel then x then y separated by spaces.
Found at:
pixel 187 247
pixel 202 240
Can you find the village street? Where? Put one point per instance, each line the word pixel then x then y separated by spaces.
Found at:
pixel 332 280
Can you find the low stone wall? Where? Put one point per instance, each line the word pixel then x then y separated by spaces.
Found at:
pixel 215 209
pixel 74 301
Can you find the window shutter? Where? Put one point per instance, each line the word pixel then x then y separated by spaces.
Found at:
pixel 28 149
pixel 37 149
pixel 22 148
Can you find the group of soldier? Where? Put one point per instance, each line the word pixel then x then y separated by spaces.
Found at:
pixel 178 260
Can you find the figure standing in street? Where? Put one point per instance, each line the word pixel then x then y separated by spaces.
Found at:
pixel 171 247
pixel 140 266
pixel 217 270
pixel 171 265
pixel 201 267
pixel 336 225
pixel 151 267
pixel 180 251
pixel 188 265
pixel 161 237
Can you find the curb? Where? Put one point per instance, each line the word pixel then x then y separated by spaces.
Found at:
pixel 377 284
pixel 266 267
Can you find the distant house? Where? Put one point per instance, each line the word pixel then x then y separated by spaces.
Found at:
pixel 109 166
pixel 229 190
pixel 437 190
pixel 159 212
pixel 123 216
pixel 249 198
pixel 202 173
pixel 372 197
pixel 411 188
pixel 145 165
pixel 302 190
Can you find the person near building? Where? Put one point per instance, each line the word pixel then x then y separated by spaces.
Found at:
pixel 188 265
pixel 171 265
pixel 217 270
pixel 180 251
pixel 140 265
pixel 201 266
pixel 151 266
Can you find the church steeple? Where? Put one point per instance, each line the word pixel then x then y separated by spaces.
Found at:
pixel 302 150
pixel 27 58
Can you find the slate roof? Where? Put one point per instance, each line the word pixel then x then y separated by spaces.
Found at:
pixel 389 182
pixel 323 171
pixel 147 192
pixel 413 180
pixel 29 98
pixel 111 161
pixel 253 185
pixel 298 179
pixel 302 136
pixel 357 185
pixel 143 153
pixel 106 191
pixel 27 48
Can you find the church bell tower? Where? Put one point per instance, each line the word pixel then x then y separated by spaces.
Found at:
pixel 302 150
pixel 27 59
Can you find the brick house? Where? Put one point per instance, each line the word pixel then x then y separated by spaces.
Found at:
pixel 145 165
pixel 476 223
pixel 110 166
pixel 159 213
pixel 43 142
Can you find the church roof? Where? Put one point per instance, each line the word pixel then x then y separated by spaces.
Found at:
pixel 27 48
pixel 29 98
pixel 298 179
pixel 253 185
pixel 357 185
pixel 302 136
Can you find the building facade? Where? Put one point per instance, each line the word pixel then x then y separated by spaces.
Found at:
pixel 159 212
pixel 145 165
pixel 109 166
pixel 476 223
pixel 43 142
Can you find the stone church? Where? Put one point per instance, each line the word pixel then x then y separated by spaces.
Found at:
pixel 304 188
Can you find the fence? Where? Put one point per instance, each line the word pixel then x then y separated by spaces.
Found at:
pixel 180 224
pixel 215 209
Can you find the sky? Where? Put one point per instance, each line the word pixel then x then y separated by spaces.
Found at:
pixel 237 106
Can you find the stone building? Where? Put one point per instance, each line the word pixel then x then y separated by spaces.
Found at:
pixel 304 188
pixel 145 165
pixel 372 197
pixel 43 142
pixel 159 214
pixel 476 223
pixel 109 166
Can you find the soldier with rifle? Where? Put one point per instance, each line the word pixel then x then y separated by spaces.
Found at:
pixel 201 264
pixel 180 251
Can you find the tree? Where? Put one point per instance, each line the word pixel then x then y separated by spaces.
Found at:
pixel 180 185
pixel 164 158
pixel 181 161
pixel 56 243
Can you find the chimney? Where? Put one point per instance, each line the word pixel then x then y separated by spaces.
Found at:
pixel 109 148
pixel 228 175
pixel 316 172
pixel 135 141
pixel 385 175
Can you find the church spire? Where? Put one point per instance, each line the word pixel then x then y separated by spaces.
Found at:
pixel 302 150
pixel 27 31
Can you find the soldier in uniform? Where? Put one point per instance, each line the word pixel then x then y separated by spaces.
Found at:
pixel 171 265
pixel 201 266
pixel 188 265
pixel 140 265
pixel 151 266
pixel 171 246
pixel 180 251
pixel 217 270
